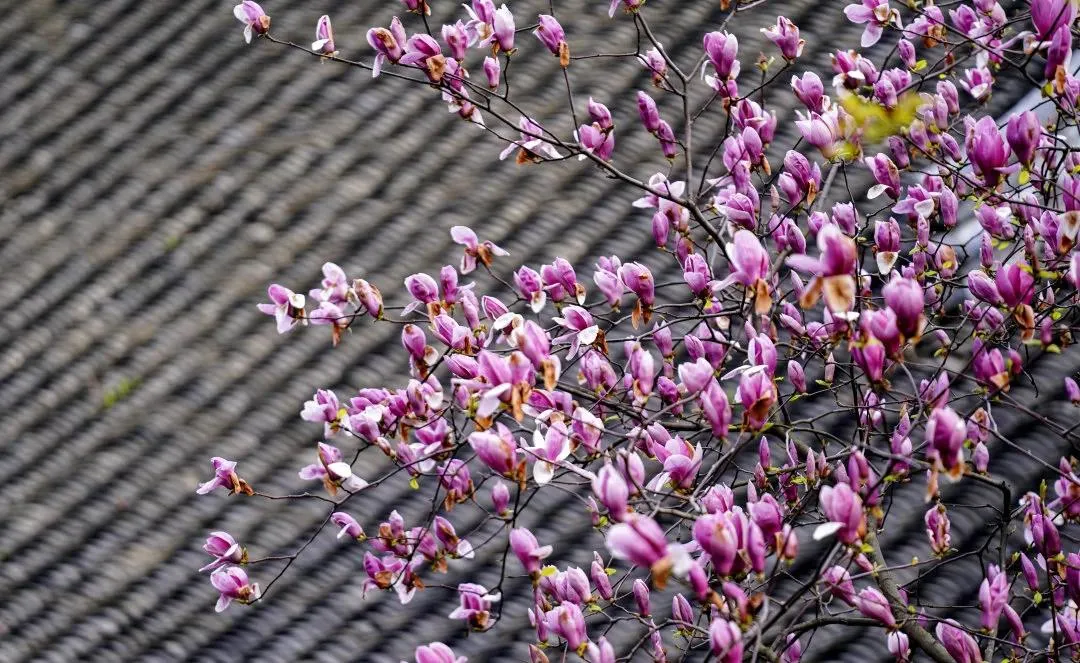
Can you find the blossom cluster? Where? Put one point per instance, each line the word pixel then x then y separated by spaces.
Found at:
pixel 693 420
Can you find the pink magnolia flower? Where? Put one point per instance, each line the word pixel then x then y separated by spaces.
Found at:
pixel 549 451
pixel 786 37
pixel 1015 283
pixel 810 92
pixel 323 408
pixel 898 645
pixel 628 6
pixel 333 471
pixel 287 307
pixel 844 509
pixel 424 53
pixel 832 270
pixel 254 19
pixel 1023 133
pixel 725 640
pixel 497 449
pixel 475 606
pixel 324 37
pixel 993 595
pixel 937 530
pixel 654 61
pixel 225 477
pixel 612 491
pixel 233 585
pixel 876 14
pixel 437 652
pixel 958 642
pixel 757 393
pixel 532 146
pixel 639 540
pixel 904 297
pixel 492 71
pixel 1049 15
pixel 838 582
pixel 349 526
pixel 987 149
pixel 567 621
pixel 501 35
pixel 528 550
pixel 389 44
pixel 750 268
pixel 224 549
pixel 722 50
pixel 551 34
pixel 945 434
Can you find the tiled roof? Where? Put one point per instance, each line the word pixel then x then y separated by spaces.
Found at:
pixel 156 174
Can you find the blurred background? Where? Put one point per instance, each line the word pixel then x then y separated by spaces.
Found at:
pixel 156 174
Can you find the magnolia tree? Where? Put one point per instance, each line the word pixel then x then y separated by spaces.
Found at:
pixel 678 414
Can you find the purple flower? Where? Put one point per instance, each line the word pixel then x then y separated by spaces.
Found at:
pixel 287 307
pixel 502 35
pixel 904 297
pixel 650 115
pixel 993 595
pixel 349 526
pixel 551 34
pixel 654 61
pixel 810 92
pixel 876 14
pixel 324 37
pixel 233 585
pixel 838 581
pixel 786 37
pixel 987 149
pixel 567 621
pixel 844 509
pixel 1059 53
pixel 474 250
pixel 497 449
pixel 224 549
pixel 958 642
pixel 1023 133
pixel 722 50
pixel 254 19
pixel 725 640
pixel 945 434
pixel 639 540
pixel 457 39
pixel 757 393
pixel 886 175
pixel 1049 15
pixel 937 530
pixel 1015 283
pixel 323 408
pixel 492 70
pixel 596 141
pixel 475 606
pixel 874 605
pixel 611 489
pixel 528 550
pixel 424 53
pixel 437 652
pixel 332 470
pixel 225 477
pixel 388 44
pixel 532 145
